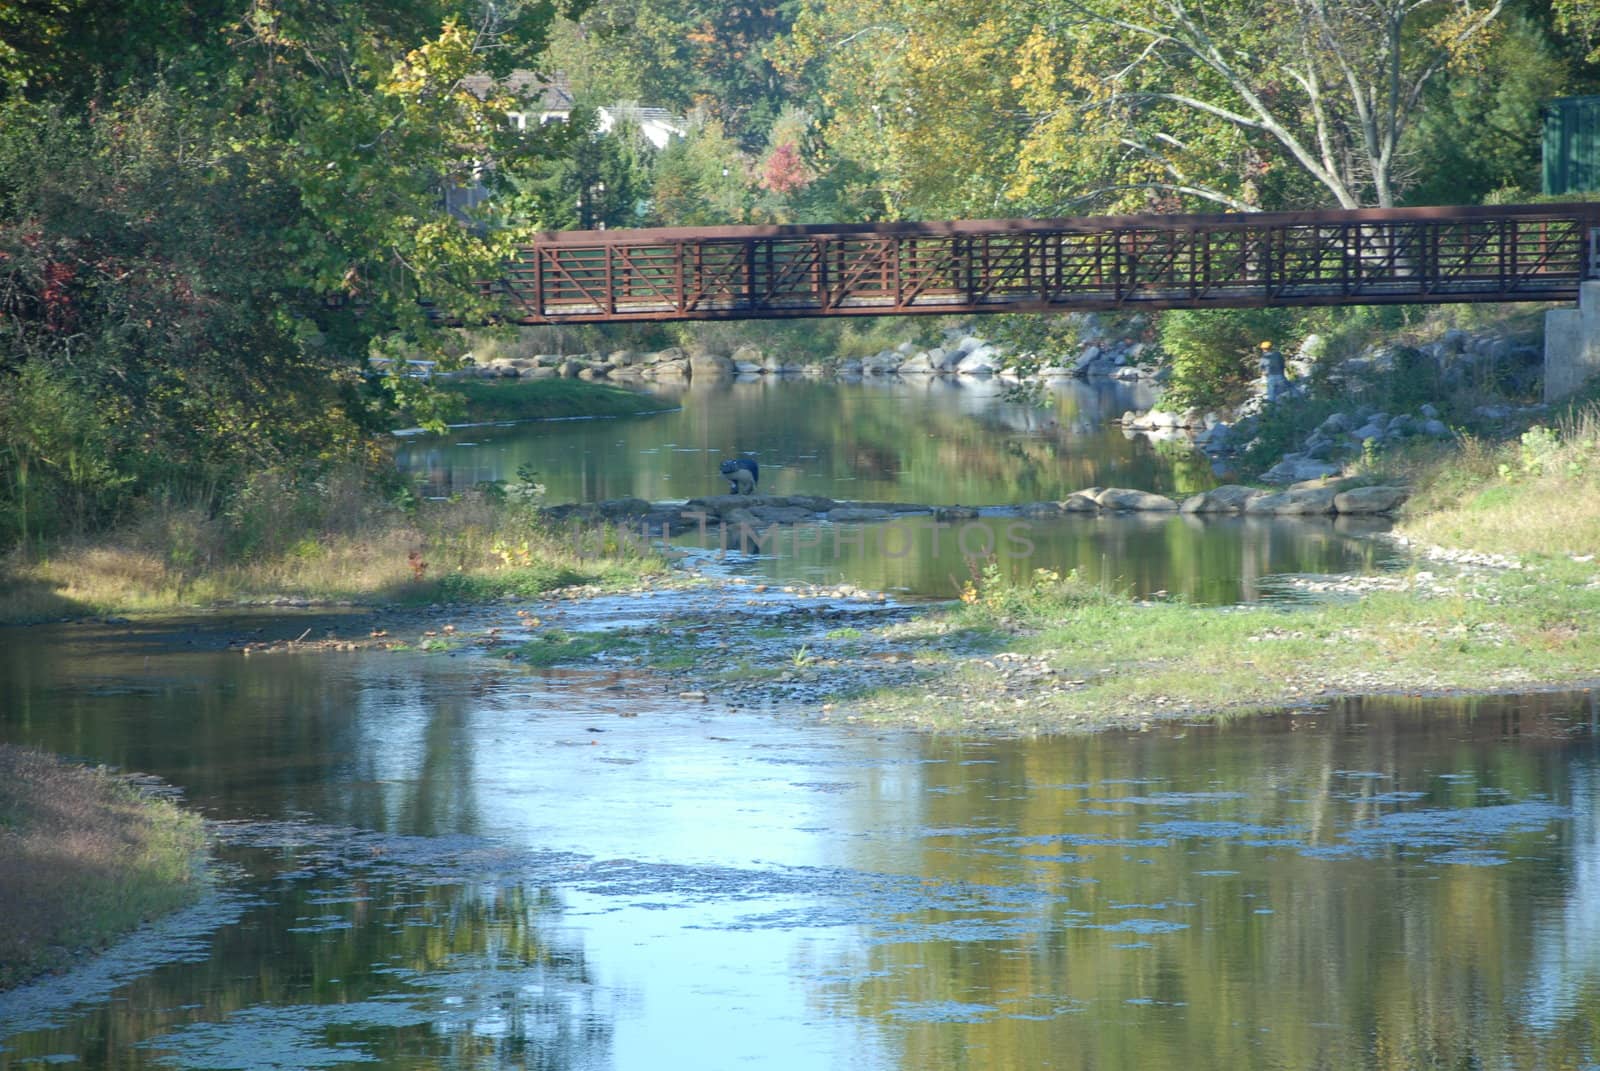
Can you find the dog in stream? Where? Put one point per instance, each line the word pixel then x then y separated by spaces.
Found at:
pixel 742 474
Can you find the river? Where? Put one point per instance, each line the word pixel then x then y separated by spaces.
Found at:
pixel 933 441
pixel 452 861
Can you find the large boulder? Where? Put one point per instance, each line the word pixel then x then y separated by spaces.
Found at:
pixel 983 361
pixel 748 355
pixel 1297 468
pixel 1086 359
pixel 670 370
pixel 882 364
pixel 776 514
pixel 918 364
pixel 1369 500
pixel 706 365
pixel 618 509
pixel 1078 502
pixel 1299 502
pixel 845 514
pixel 1229 498
pixel 814 503
pixel 1122 498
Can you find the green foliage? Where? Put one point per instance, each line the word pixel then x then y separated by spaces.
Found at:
pixel 681 55
pixel 1033 340
pixel 1215 353
pixel 702 179
pixel 59 465
pixel 538 399
pixel 1537 450
pixel 1481 130
pixel 600 180
pixel 553 647
pixel 168 256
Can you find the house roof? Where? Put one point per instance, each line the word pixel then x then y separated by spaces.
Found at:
pixel 551 93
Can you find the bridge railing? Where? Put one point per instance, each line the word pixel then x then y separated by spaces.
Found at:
pixel 1374 256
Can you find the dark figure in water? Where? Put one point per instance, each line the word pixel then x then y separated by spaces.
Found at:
pixel 742 474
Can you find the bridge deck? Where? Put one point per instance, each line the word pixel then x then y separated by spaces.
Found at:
pixel 1365 257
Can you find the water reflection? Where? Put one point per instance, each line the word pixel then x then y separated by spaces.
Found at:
pixel 939 441
pixel 447 862
pixel 1216 560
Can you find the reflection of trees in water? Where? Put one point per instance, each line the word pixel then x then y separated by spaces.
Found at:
pixel 938 441
pixel 407 974
pixel 1370 959
pixel 1214 560
pixel 1565 982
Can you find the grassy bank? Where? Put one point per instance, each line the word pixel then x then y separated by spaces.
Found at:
pixel 1056 655
pixel 338 541
pixel 490 400
pixel 86 858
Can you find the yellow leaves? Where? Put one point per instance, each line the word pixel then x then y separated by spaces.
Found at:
pixel 1038 76
pixel 438 65
pixel 1464 34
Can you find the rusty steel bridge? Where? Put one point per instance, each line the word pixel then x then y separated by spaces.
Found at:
pixel 1361 257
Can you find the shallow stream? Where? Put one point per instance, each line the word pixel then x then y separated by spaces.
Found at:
pixel 453 861
pixel 936 442
pixel 437 861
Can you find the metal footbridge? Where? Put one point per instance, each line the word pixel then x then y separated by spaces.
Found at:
pixel 1361 257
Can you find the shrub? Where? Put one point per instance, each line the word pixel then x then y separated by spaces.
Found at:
pixel 1215 353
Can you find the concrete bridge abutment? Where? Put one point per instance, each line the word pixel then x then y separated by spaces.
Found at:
pixel 1572 344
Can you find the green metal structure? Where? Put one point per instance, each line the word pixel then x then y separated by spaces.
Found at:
pixel 1572 145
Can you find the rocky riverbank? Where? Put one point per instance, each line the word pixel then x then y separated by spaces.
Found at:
pixel 758 512
pixel 960 354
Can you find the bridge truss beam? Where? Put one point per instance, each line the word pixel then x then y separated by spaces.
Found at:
pixel 1364 257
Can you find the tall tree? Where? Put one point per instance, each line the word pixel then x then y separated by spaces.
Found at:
pixel 1130 104
pixel 172 255
pixel 918 94
pixel 1326 87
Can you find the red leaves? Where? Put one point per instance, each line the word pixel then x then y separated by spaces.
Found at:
pixel 784 171
pixel 56 295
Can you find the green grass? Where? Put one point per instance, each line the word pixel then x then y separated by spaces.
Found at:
pixel 661 649
pixel 86 859
pixel 1120 662
pixel 360 549
pixel 1538 494
pixel 486 400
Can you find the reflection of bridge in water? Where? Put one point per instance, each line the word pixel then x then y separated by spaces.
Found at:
pixel 1363 257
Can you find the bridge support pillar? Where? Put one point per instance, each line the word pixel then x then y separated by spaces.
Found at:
pixel 1572 345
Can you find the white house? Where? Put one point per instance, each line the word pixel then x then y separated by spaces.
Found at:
pixel 550 100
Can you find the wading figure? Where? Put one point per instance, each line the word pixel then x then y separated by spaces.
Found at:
pixel 1274 383
pixel 742 474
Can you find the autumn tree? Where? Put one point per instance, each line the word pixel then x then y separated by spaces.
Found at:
pixel 1063 105
pixel 917 95
pixel 682 55
pixel 1326 89
pixel 195 264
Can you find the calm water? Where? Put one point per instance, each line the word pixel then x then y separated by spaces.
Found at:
pixel 454 862
pixel 448 861
pixel 938 442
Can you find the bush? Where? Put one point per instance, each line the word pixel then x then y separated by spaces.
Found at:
pixel 60 468
pixel 1215 353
